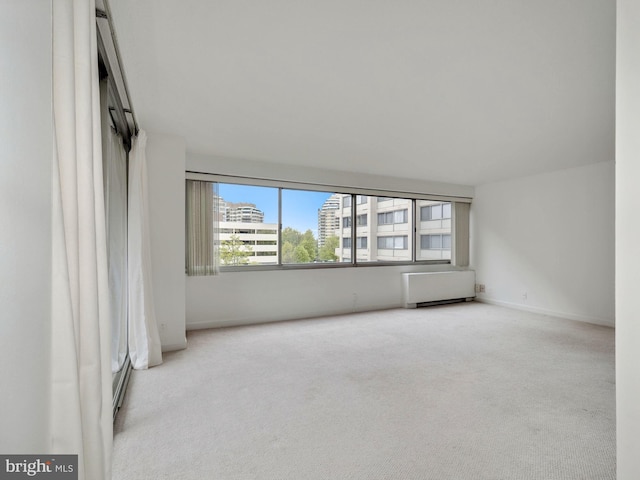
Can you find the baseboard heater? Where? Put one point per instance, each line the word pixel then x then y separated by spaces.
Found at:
pixel 433 288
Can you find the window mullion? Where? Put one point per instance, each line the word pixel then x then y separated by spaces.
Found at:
pixel 353 229
pixel 415 230
pixel 280 226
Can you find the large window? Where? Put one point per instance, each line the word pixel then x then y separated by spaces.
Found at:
pixel 272 226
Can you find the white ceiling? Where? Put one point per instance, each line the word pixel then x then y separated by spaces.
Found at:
pixel 462 91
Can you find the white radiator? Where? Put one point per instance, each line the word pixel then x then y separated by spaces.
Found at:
pixel 427 287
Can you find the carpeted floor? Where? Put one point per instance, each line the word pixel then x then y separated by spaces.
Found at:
pixel 466 391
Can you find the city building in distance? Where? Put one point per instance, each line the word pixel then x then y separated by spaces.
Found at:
pixel 328 218
pixel 384 229
pixel 244 237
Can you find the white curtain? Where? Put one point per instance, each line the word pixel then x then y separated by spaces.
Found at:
pixel 144 340
pixel 115 194
pixel 81 412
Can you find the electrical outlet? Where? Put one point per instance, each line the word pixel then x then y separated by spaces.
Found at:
pixel 482 288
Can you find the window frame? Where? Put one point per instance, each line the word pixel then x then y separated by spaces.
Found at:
pixel 351 192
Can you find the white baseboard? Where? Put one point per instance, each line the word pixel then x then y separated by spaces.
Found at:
pixel 237 322
pixel 605 322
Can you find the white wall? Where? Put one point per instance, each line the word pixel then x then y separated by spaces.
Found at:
pixel 262 296
pixel 166 164
pixel 545 243
pixel 275 171
pixel 628 240
pixel 255 297
pixel 25 215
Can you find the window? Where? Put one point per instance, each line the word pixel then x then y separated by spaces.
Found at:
pixel 434 230
pixel 248 225
pixel 271 226
pixel 435 212
pixel 309 227
pixel 389 218
pixel 393 243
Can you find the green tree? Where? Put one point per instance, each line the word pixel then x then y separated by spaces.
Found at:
pixel 309 243
pixel 288 255
pixel 298 247
pixel 294 237
pixel 327 252
pixel 234 252
pixel 301 254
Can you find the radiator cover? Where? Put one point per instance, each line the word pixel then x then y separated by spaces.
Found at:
pixel 433 287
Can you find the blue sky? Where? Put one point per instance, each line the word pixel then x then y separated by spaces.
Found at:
pixel 299 207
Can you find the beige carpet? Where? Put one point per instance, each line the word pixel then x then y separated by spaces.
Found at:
pixel 466 391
